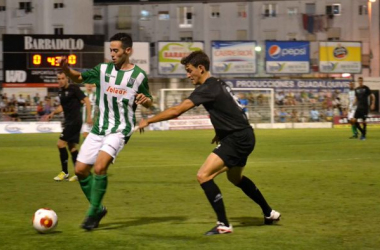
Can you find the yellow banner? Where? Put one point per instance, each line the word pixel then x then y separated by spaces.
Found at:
pixel 340 52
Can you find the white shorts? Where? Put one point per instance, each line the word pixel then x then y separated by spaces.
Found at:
pixel 112 144
pixel 351 114
pixel 86 128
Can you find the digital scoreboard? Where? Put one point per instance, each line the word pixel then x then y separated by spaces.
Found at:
pixel 33 60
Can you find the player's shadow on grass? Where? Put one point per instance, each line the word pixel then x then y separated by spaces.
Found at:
pixel 140 221
pixel 248 221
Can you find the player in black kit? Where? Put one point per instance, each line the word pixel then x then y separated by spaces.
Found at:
pixel 234 137
pixel 71 98
pixel 362 93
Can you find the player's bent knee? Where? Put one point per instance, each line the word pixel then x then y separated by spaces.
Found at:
pixel 202 177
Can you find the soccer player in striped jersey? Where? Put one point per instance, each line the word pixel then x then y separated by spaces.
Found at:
pixel 120 87
pixel 351 110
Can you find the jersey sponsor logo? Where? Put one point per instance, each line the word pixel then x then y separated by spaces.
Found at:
pixel 109 75
pixel 117 91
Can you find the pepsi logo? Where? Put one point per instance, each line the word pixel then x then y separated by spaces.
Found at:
pixel 274 51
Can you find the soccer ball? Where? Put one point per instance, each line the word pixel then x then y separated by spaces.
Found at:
pixel 45 220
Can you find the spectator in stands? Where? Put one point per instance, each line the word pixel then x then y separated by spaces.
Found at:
pixel 3 105
pixel 329 114
pixel 12 100
pixel 337 102
pixel 294 116
pixel 280 97
pixel 47 106
pixel 244 103
pixel 28 101
pixel 13 113
pixel 314 115
pixel 40 109
pixel 282 115
pixel 36 99
pixel 21 101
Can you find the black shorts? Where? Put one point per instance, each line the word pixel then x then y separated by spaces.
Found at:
pixel 361 113
pixel 235 148
pixel 71 133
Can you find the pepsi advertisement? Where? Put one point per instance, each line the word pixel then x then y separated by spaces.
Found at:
pixel 287 57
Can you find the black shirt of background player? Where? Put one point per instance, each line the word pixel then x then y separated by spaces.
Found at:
pixel 362 93
pixel 71 98
pixel 225 113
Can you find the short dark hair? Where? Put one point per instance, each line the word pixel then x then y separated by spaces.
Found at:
pixel 197 58
pixel 360 78
pixel 124 38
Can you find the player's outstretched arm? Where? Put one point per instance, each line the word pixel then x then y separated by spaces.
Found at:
pixel 168 114
pixel 74 75
pixel 372 101
pixel 58 110
pixel 87 103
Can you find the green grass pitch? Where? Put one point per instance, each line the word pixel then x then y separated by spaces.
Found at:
pixel 325 185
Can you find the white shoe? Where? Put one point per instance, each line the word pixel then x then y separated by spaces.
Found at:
pixel 61 176
pixel 220 228
pixel 274 216
pixel 73 178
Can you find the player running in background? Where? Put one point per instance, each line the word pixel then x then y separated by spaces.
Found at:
pixel 351 110
pixel 362 93
pixel 71 98
pixel 120 86
pixel 86 128
pixel 234 136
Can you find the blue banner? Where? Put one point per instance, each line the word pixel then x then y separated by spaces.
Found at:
pixel 287 57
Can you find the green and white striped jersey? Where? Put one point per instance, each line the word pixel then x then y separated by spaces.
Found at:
pixel 92 97
pixel 351 100
pixel 115 97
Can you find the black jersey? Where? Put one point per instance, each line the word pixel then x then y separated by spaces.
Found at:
pixel 226 114
pixel 71 98
pixel 362 93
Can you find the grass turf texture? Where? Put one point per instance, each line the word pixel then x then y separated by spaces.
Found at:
pixel 325 185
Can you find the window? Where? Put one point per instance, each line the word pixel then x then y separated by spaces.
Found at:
pixel 364 33
pixel 242 13
pixel 163 15
pixel 144 15
pixel 58 4
pixel 333 34
pixel 25 29
pixel 124 19
pixel 270 35
pixel 241 35
pixel 185 17
pixel 2 5
pixel 215 11
pixel 292 11
pixel 363 10
pixel 98 14
pixel 310 8
pixel 334 9
pixel 269 10
pixel 186 36
pixel 58 30
pixel 27 6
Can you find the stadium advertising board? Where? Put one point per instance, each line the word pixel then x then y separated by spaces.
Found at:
pixel 340 57
pixel 30 127
pixel 287 57
pixel 32 60
pixel 140 55
pixel 233 57
pixel 342 121
pixel 171 53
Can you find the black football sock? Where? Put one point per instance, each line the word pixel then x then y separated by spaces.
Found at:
pixel 359 128
pixel 74 156
pixel 64 156
pixel 250 189
pixel 364 129
pixel 215 198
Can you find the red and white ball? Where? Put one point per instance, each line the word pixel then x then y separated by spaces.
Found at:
pixel 45 220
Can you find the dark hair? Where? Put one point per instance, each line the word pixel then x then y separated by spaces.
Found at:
pixel 124 38
pixel 360 78
pixel 197 58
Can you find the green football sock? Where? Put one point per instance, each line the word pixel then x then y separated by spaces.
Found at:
pixel 86 185
pixel 354 130
pixel 99 187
